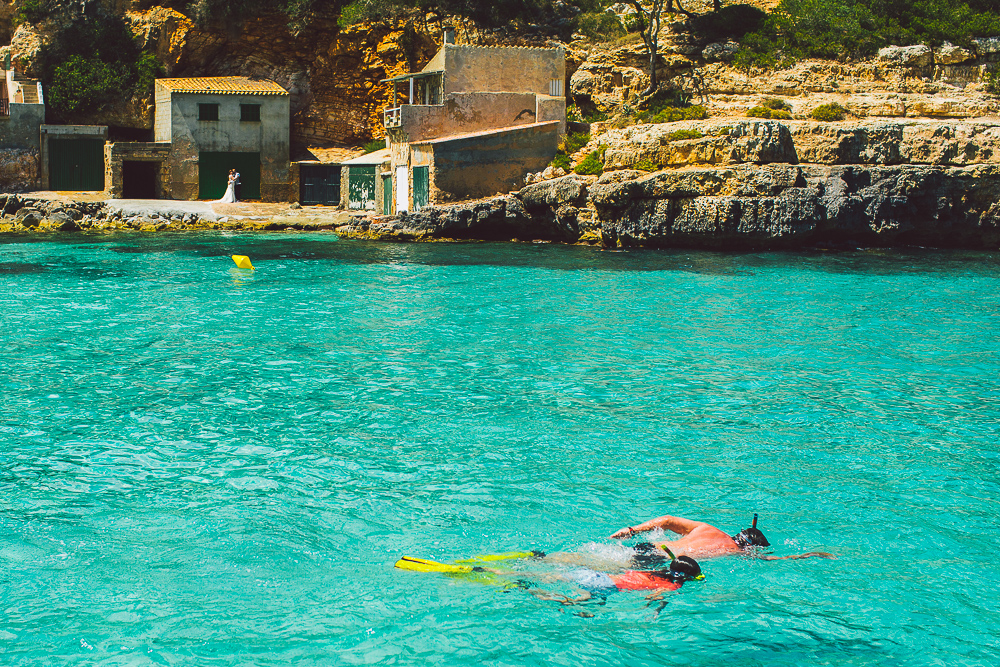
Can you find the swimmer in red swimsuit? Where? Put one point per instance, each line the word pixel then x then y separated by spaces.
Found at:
pixel 592 583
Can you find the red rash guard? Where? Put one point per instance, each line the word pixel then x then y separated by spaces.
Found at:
pixel 633 580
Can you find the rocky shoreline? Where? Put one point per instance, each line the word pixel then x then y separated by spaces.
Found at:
pixel 748 185
pixel 742 184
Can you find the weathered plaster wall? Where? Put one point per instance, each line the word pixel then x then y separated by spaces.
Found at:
pixel 551 108
pixel 20 129
pixel 465 112
pixel 489 163
pixel 190 136
pixel 508 69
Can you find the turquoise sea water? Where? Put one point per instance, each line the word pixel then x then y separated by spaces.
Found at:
pixel 201 465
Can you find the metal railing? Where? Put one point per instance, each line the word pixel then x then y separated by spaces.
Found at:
pixel 393 117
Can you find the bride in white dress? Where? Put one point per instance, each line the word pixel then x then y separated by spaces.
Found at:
pixel 230 196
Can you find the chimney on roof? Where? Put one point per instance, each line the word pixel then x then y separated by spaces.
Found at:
pixel 449 35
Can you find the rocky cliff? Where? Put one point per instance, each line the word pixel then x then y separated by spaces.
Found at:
pixel 334 74
pixel 753 184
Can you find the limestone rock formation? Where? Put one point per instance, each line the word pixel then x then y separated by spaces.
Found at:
pixel 889 142
pixel 918 55
pixel 792 206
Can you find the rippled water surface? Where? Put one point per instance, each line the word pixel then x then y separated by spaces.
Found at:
pixel 202 465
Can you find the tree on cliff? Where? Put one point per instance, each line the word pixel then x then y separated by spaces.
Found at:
pixel 649 16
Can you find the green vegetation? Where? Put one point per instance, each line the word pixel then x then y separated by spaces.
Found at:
pixel 776 104
pixel 570 144
pixel 993 82
pixel 600 26
pixel 94 63
pixel 593 164
pixel 769 113
pixel 574 113
pixel 828 112
pixel 574 142
pixel 374 145
pixel 646 165
pixel 842 29
pixel 561 161
pixel 680 135
pixel 30 11
pixel 669 114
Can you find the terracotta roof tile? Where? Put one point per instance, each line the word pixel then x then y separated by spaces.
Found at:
pixel 222 85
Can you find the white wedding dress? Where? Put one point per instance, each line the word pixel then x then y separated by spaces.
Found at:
pixel 230 196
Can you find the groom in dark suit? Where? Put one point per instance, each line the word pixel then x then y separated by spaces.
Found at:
pixel 237 186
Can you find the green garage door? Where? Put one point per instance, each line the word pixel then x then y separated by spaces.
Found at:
pixel 76 164
pixel 213 174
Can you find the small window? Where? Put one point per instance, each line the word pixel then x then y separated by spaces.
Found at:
pixel 208 112
pixel 250 113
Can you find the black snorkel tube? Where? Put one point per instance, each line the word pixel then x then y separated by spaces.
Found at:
pixel 754 524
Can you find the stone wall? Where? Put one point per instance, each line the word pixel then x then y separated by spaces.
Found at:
pixel 116 154
pixel 19 169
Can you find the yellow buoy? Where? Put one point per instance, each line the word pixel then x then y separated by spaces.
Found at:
pixel 242 262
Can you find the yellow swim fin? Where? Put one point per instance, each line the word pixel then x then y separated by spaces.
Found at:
pixel 510 555
pixel 423 565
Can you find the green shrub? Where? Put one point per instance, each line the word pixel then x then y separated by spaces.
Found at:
pixel 798 29
pixel 993 82
pixel 561 161
pixel 646 165
pixel 680 135
pixel 828 112
pixel 724 131
pixel 593 164
pixel 83 85
pixel 777 104
pixel 672 114
pixel 374 145
pixel 770 114
pixel 30 11
pixel 603 26
pixel 574 142
pixel 93 64
pixel 575 113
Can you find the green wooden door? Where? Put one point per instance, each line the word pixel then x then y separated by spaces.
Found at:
pixel 421 187
pixel 387 195
pixel 320 184
pixel 76 164
pixel 213 174
pixel 361 188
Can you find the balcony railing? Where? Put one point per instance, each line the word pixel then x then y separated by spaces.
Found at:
pixel 4 107
pixel 393 118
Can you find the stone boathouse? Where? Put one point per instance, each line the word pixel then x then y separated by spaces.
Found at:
pixel 472 123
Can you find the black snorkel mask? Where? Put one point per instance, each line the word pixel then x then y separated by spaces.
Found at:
pixel 751 537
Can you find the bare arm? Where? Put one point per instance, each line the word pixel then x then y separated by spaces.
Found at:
pixel 674 524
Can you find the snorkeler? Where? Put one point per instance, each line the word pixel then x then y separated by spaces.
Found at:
pixel 591 583
pixel 703 540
